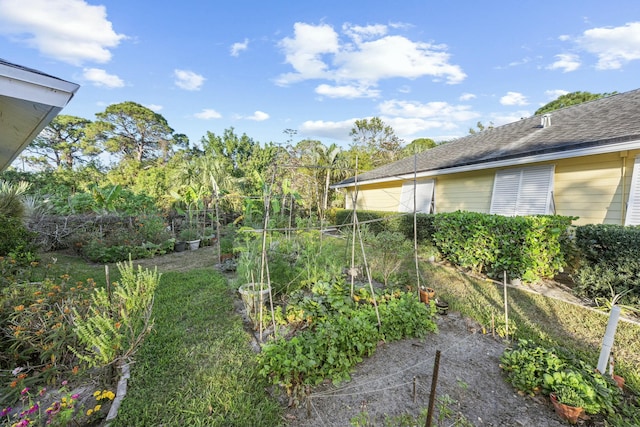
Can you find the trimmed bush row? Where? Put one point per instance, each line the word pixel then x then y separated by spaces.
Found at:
pixel 609 262
pixel 529 248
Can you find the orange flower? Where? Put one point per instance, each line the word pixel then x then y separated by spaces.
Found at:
pixel 117 325
pixel 13 384
pixel 75 370
pixel 22 376
pixel 19 307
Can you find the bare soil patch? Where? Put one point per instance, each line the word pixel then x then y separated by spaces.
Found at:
pixel 469 374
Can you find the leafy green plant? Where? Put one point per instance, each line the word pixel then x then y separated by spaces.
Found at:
pixel 341 333
pixel 117 321
pixel 534 369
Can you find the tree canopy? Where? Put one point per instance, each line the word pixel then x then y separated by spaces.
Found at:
pixel 376 140
pixel 62 144
pixel 568 99
pixel 135 132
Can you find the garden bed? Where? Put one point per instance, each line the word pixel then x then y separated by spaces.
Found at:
pixel 382 386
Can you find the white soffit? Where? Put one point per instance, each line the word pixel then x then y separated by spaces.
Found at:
pixel 29 100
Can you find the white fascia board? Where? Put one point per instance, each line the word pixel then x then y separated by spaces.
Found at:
pixel 609 148
pixel 24 84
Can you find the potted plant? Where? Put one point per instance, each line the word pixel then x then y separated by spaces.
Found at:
pixel 426 294
pixel 568 403
pixel 226 249
pixel 190 235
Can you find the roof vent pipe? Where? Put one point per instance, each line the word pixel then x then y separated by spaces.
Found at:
pixel 546 121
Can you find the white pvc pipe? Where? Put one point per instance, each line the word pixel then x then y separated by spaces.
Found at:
pixel 607 341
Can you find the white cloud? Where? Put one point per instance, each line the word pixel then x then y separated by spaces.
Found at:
pixel 304 51
pixel 155 107
pixel 369 55
pixel 208 114
pixel 467 96
pixel 514 98
pixel 328 129
pixel 442 111
pixel 188 80
pixel 358 33
pixel 99 77
pixel 238 47
pixel 555 93
pixel 614 46
pixel 258 116
pixel 566 62
pixel 72 31
pixel 346 91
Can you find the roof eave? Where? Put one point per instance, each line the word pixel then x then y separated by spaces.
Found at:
pixel 517 161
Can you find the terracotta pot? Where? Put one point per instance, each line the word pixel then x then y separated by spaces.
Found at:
pixel 426 295
pixel 566 412
pixel 619 380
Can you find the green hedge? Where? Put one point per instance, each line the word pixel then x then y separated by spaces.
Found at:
pixel 392 221
pixel 609 262
pixel 526 247
pixel 529 248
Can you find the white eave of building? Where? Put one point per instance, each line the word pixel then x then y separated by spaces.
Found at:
pixel 29 100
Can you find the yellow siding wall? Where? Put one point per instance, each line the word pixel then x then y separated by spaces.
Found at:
pixel 468 191
pixel 377 197
pixel 589 187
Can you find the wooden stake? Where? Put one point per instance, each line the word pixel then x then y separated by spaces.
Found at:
pixel 493 325
pixel 506 310
pixel 432 396
pixel 414 389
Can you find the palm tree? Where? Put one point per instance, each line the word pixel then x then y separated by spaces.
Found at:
pixel 330 158
pixel 11 198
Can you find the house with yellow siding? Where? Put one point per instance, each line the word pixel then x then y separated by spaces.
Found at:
pixel 582 161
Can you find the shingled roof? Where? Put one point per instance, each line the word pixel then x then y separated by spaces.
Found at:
pixel 611 120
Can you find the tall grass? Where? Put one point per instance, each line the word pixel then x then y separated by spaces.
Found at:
pixel 196 368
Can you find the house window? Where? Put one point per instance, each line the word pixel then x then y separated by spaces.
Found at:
pixel 523 191
pixel 633 205
pixel 424 196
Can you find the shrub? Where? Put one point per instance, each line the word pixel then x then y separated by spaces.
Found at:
pixel 392 221
pixel 16 241
pixel 529 247
pixel 609 263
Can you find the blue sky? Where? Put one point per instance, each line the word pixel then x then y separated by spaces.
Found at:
pixel 427 68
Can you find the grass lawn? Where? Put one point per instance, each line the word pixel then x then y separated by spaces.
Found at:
pixel 197 367
pixel 547 321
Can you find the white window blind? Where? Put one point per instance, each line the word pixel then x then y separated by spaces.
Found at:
pixel 424 196
pixel 523 191
pixel 633 205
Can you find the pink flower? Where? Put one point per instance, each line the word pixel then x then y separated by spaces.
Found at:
pixel 33 409
pixel 24 391
pixel 43 391
pixel 65 382
pixel 5 411
pixel 75 396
